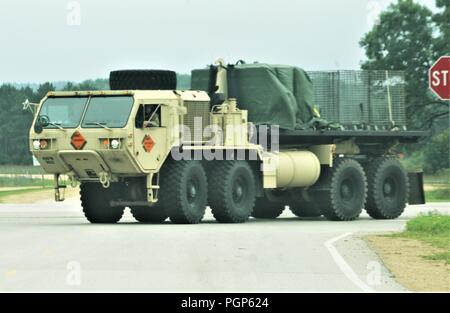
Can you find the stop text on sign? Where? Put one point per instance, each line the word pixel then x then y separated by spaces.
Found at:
pixel 439 78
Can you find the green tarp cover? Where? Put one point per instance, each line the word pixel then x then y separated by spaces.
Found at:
pixel 272 94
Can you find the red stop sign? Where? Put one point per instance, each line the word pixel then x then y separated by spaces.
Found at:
pixel 439 78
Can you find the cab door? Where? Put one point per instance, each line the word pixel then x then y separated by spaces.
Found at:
pixel 150 135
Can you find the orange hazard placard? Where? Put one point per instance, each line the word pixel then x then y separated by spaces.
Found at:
pixel 78 141
pixel 148 143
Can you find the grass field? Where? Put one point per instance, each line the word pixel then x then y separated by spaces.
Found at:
pixel 440 194
pixel 24 181
pixel 433 229
pixel 437 186
pixel 20 169
pixel 24 191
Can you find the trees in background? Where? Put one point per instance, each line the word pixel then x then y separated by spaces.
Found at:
pixel 436 153
pixel 15 123
pixel 411 38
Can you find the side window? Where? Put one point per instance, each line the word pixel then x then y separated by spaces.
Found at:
pixel 139 120
pixel 148 115
pixel 152 115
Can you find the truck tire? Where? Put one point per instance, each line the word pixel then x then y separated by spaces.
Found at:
pixel 302 206
pixel 154 214
pixel 143 80
pixel 267 209
pixel 183 191
pixel 232 192
pixel 388 188
pixel 347 191
pixel 305 209
pixel 95 202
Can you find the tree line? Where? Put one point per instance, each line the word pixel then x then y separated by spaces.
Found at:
pixel 408 37
pixel 15 123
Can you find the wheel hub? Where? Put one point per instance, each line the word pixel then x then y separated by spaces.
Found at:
pixel 239 190
pixel 191 192
pixel 347 189
pixel 389 187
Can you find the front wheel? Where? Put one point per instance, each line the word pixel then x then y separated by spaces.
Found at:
pixel 232 191
pixel 95 202
pixel 183 192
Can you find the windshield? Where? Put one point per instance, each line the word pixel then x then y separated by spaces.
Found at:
pixel 64 112
pixel 109 112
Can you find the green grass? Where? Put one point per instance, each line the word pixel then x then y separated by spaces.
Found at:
pixel 19 191
pixel 413 161
pixel 438 195
pixel 440 177
pixel 23 181
pixel 20 169
pixel 432 228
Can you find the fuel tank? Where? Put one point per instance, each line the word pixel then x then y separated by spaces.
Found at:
pixel 297 169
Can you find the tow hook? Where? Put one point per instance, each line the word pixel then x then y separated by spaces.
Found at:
pixel 105 179
pixel 59 196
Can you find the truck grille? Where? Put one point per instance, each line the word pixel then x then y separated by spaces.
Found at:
pixel 196 119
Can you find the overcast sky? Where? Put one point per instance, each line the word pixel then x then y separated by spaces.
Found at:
pixel 49 40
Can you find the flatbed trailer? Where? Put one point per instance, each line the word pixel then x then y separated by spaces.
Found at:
pixel 302 137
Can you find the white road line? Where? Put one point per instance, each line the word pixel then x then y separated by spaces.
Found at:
pixel 343 265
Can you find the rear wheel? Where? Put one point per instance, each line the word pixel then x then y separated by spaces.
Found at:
pixel 183 191
pixel 267 207
pixel 232 191
pixel 95 202
pixel 388 188
pixel 303 206
pixel 152 214
pixel 347 191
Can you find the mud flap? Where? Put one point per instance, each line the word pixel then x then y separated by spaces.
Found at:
pixel 416 192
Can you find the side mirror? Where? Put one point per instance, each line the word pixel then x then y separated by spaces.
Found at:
pixel 29 106
pixel 44 120
pixel 41 122
pixel 38 128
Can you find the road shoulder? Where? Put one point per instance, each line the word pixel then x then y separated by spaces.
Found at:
pixel 366 265
pixel 33 195
pixel 404 258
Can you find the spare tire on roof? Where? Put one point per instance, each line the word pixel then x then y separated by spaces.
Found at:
pixel 143 80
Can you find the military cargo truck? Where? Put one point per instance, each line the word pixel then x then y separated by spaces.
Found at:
pixel 246 140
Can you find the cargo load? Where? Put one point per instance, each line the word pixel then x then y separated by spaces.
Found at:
pixel 297 100
pixel 273 94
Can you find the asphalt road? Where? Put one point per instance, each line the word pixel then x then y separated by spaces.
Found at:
pixel 50 246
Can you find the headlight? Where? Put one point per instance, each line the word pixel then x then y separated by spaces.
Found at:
pixel 36 144
pixel 115 144
pixel 43 143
